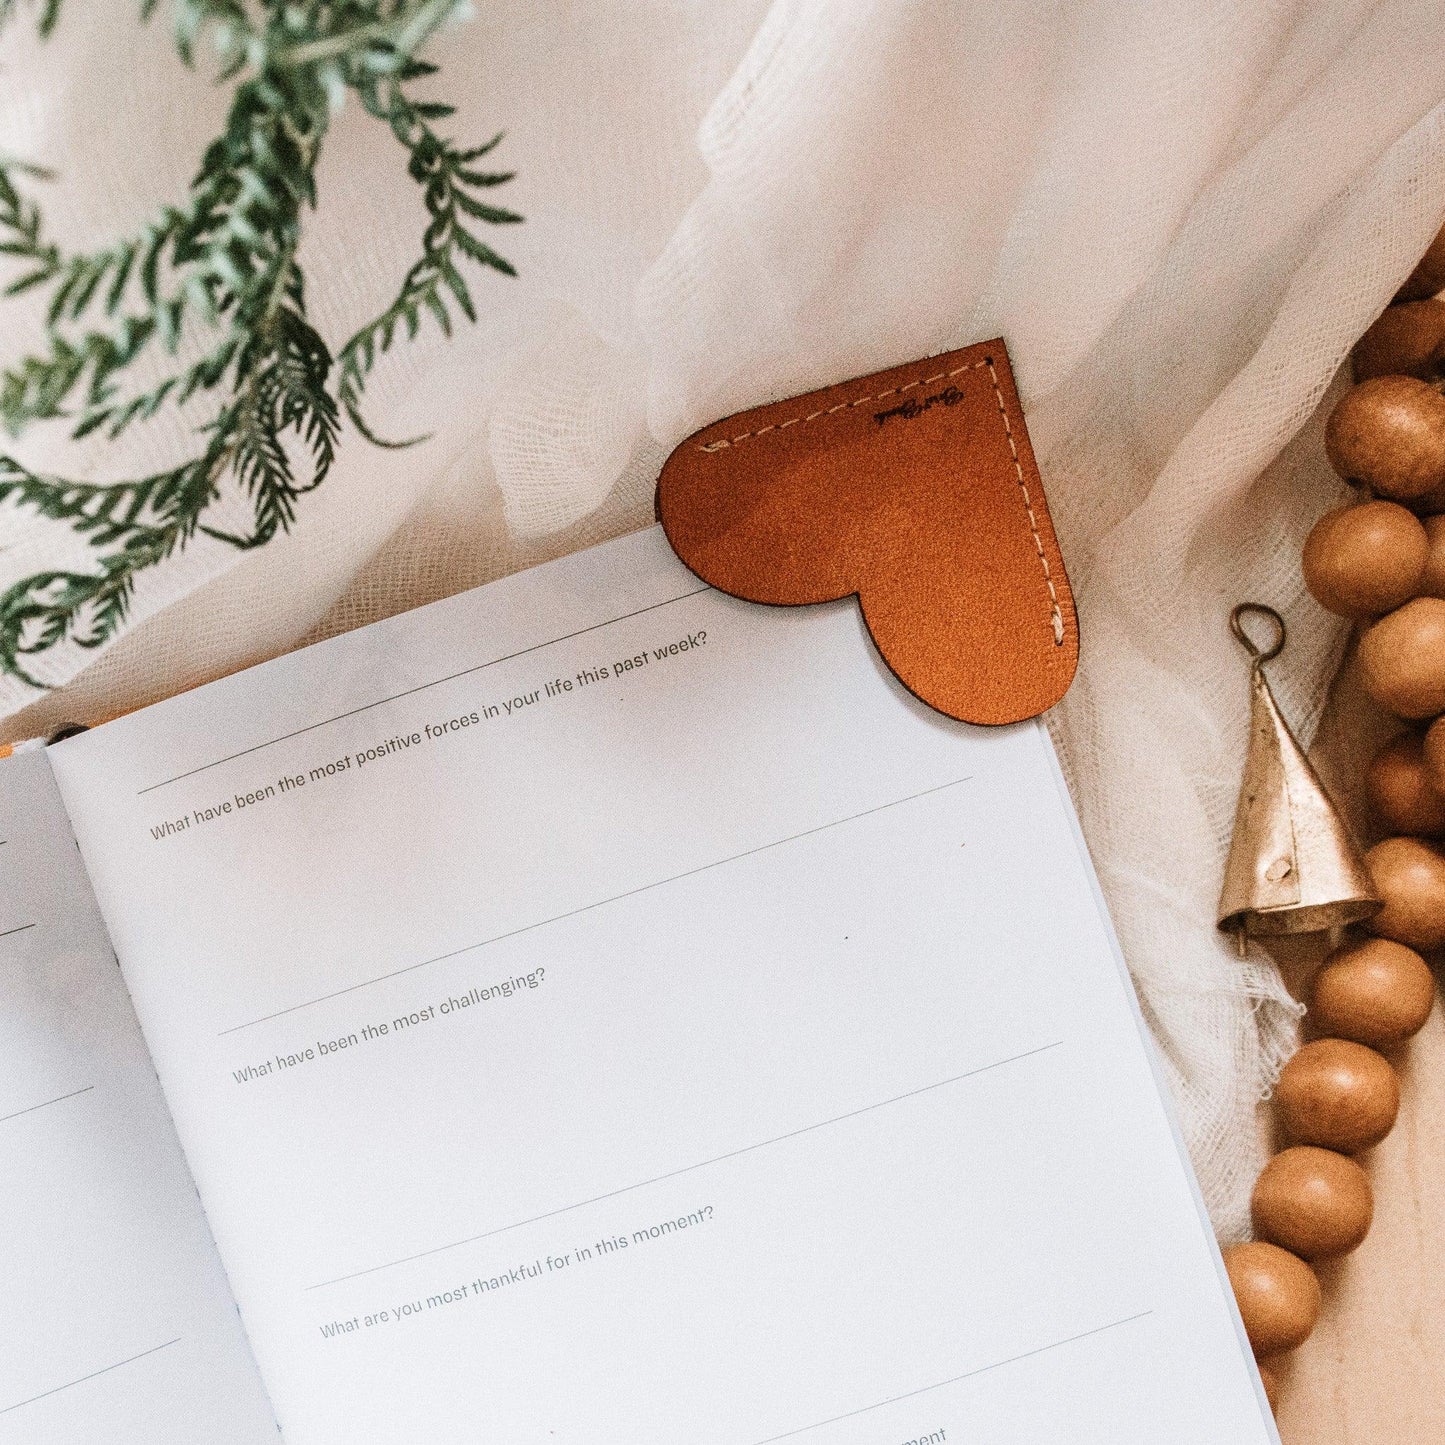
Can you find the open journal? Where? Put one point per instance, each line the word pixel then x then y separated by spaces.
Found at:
pixel 593 1011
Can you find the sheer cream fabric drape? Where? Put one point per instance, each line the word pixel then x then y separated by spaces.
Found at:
pixel 1179 215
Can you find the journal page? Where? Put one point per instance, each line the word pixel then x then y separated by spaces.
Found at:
pixel 115 1321
pixel 598 1011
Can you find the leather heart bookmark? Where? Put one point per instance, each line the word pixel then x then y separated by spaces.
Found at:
pixel 915 490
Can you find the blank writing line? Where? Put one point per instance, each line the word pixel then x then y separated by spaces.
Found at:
pixel 21 929
pixel 588 907
pixel 120 1364
pixel 967 1375
pixel 74 1094
pixel 691 1168
pixel 421 687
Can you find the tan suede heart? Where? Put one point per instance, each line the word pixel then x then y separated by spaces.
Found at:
pixel 914 489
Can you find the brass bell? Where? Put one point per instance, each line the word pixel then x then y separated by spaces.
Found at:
pixel 1293 867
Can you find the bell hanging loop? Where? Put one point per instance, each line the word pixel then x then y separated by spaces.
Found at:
pixel 1261 655
pixel 1292 866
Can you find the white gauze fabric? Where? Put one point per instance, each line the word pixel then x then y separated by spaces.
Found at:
pixel 1178 215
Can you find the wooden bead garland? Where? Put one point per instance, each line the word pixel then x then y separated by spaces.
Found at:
pixel 1270 1381
pixel 1428 278
pixel 1367 559
pixel 1432 581
pixel 1337 1094
pixel 1409 875
pixel 1388 434
pixel 1405 341
pixel 1314 1202
pixel 1278 1295
pixel 1400 791
pixel 1380 563
pixel 1402 659
pixel 1374 991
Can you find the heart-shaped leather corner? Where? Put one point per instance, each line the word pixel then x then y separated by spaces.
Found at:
pixel 915 489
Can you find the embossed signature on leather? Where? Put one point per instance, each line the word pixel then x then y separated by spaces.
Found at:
pixel 915 490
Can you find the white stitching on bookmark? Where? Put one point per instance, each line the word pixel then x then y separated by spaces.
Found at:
pixel 1055 611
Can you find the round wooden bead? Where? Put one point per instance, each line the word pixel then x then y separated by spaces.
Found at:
pixel 1401 792
pixel 1402 659
pixel 1270 1381
pixel 1337 1094
pixel 1359 561
pixel 1389 434
pixel 1410 876
pixel 1313 1202
pixel 1428 278
pixel 1432 751
pixel 1277 1293
pixel 1376 992
pixel 1407 340
pixel 1432 578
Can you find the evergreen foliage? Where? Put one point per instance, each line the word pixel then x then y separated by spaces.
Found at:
pixel 216 280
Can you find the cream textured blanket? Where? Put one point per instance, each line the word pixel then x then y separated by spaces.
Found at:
pixel 1179 216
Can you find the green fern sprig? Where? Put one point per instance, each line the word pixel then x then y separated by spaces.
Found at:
pixel 211 295
pixel 451 186
pixel 45 21
pixel 138 524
